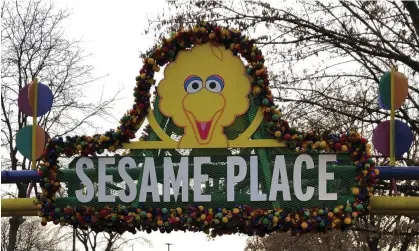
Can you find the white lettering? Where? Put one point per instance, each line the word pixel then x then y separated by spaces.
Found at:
pixel 232 161
pixel 199 178
pixel 85 180
pixel 149 174
pixel 297 177
pixel 182 178
pixel 128 180
pixel 103 179
pixel 254 181
pixel 280 169
pixel 324 176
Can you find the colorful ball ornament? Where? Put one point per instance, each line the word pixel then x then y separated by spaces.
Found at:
pixel 400 90
pixel 403 138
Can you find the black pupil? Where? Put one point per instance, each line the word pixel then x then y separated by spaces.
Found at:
pixel 195 85
pixel 212 85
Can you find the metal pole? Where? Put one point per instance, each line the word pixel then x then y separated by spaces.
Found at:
pixel 74 237
pixel 168 246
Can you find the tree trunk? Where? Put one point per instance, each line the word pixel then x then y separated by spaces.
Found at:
pixel 373 244
pixel 406 243
pixel 16 221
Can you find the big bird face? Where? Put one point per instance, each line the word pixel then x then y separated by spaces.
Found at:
pixel 203 91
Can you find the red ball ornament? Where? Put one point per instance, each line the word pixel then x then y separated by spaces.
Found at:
pixel 338 146
pixel 287 136
pixel 103 213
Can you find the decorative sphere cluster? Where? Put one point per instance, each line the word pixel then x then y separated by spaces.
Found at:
pixel 242 218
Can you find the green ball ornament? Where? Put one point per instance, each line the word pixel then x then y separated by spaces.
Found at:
pixel 219 215
pixel 171 54
pixel 265 101
pixel 275 117
pixel 359 207
pixel 164 211
pixel 320 212
pixel 113 218
pixel 137 218
pixel 348 209
pixel 260 82
pixel 265 221
pixel 143 214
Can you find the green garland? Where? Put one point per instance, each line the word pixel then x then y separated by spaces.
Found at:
pixel 242 218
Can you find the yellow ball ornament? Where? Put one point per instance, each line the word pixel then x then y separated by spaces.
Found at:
pixel 278 134
pixel 344 148
pixel 225 219
pixel 355 191
pixel 304 225
pixel 347 221
pixel 257 90
pixel 323 144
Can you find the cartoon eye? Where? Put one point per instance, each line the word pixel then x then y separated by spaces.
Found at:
pixel 193 84
pixel 214 83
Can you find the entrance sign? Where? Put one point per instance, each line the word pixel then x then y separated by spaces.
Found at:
pixel 215 153
pixel 149 183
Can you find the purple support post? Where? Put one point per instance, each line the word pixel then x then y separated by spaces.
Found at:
pixel 399 172
pixel 8 177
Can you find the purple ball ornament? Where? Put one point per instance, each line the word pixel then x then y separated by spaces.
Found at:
pixel 403 138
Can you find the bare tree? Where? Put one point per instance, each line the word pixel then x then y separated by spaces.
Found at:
pixel 107 240
pixel 34 45
pixel 32 236
pixel 325 60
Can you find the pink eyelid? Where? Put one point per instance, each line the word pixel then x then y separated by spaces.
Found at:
pixel 189 77
pixel 218 76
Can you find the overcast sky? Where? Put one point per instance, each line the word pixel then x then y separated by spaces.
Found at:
pixel 111 32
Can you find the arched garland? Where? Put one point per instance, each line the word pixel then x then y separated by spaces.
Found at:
pixel 240 219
